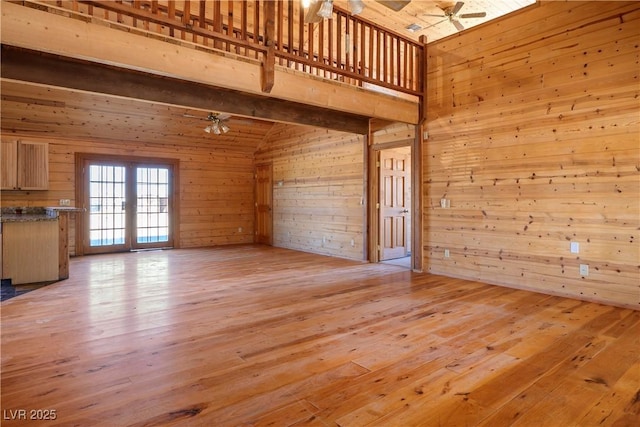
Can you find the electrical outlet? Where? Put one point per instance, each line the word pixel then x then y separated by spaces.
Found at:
pixel 446 253
pixel 584 270
pixel 575 247
pixel 239 229
pixel 65 202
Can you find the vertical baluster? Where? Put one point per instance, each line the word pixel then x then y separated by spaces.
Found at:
pixel 171 12
pixel 202 12
pixel 387 56
pixel 243 25
pixel 256 24
pixel 356 48
pixel 154 11
pixel 311 44
pixel 300 34
pixel 347 43
pixel 420 57
pixel 398 62
pixel 370 63
pixel 230 26
pixel 136 5
pixel 363 48
pixel 202 23
pixel 409 74
pixel 146 24
pixel 339 59
pixel 217 23
pixel 186 16
pixel 321 56
pixel 378 49
pixel 280 29
pixel 331 28
pixel 290 37
pixel 243 21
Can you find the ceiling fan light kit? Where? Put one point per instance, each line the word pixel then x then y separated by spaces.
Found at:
pixel 323 9
pixel 326 9
pixel 217 126
pixel 356 6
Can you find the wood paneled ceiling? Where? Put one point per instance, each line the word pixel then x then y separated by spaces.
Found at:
pixel 56 112
pixel 52 111
pixel 434 28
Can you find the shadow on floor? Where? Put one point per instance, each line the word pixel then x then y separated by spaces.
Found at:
pixel 402 262
pixel 9 291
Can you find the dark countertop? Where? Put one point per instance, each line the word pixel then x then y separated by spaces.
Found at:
pixel 28 214
pixel 27 218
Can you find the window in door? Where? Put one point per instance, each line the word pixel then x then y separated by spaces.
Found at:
pixel 128 205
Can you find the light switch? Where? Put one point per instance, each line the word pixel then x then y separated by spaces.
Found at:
pixel 584 270
pixel 575 247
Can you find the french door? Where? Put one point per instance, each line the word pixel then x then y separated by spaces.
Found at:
pixel 128 205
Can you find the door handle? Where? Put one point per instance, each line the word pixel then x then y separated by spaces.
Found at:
pixel 405 211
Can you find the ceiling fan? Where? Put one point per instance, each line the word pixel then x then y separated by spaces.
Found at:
pixel 217 123
pixel 451 14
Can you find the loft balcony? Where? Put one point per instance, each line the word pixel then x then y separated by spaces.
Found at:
pixel 275 49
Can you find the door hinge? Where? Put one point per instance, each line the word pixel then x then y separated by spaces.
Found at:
pixel 377 164
pixel 377 205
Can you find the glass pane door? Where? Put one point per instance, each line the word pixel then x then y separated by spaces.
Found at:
pixel 128 205
pixel 152 206
pixel 107 207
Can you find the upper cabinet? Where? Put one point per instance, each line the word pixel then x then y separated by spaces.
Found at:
pixel 25 165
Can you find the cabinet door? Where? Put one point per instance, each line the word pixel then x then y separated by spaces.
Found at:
pixel 30 251
pixel 9 165
pixel 33 165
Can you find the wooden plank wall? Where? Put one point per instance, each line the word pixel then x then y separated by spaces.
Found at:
pixel 318 191
pixel 534 137
pixel 216 186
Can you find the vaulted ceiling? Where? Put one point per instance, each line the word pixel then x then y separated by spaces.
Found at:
pixel 419 11
pixel 43 110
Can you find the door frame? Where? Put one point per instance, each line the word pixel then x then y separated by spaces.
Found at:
pixel 373 196
pixel 81 190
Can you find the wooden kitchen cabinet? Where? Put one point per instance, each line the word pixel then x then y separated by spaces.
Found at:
pixel 25 165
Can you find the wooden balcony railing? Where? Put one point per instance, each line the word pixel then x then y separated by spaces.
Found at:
pixel 345 48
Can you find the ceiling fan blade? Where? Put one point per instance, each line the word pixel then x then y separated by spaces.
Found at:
pixel 436 16
pixel 223 116
pixel 190 116
pixel 312 16
pixel 458 25
pixel 457 7
pixel 396 5
pixel 433 25
pixel 473 15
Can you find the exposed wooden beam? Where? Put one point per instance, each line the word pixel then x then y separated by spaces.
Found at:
pixel 37 67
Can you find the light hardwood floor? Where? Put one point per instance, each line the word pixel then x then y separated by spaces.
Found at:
pixel 259 336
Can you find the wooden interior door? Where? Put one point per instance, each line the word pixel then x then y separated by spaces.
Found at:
pixel 394 204
pixel 264 200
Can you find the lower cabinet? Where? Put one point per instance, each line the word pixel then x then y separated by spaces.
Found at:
pixel 30 251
